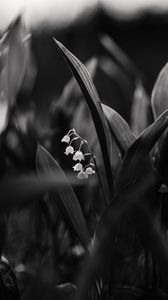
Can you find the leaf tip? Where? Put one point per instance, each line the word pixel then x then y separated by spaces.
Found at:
pixel 58 43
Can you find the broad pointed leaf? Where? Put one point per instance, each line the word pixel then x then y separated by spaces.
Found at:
pixel 119 128
pixel 159 94
pixel 14 56
pixel 159 105
pixel 22 190
pixel 104 249
pixel 137 160
pixel 17 42
pixel 119 56
pixel 70 97
pixel 82 76
pixel 140 112
pixel 67 198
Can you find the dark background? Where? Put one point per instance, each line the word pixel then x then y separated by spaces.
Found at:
pixel 143 39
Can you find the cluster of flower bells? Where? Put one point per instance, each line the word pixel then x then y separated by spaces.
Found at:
pixel 84 171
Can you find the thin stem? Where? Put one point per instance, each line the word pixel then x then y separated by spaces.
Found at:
pixel 82 142
pixel 74 139
pixel 101 185
pixel 71 131
pixel 147 268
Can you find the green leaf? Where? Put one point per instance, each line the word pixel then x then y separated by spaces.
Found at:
pixel 84 80
pixel 117 89
pixel 119 128
pixel 137 161
pixel 22 191
pixel 14 59
pixel 3 109
pixel 104 251
pixel 140 111
pixel 159 99
pixel 67 198
pixel 159 103
pixel 16 40
pixel 118 55
pixel 69 99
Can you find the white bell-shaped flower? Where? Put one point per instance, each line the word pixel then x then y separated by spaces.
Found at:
pixel 89 171
pixel 78 167
pixel 65 139
pixel 78 156
pixel 69 150
pixel 82 175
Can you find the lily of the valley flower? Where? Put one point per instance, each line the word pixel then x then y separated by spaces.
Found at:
pixel 78 156
pixel 163 189
pixel 89 171
pixel 82 175
pixel 78 167
pixel 66 139
pixel 69 150
pixel 86 169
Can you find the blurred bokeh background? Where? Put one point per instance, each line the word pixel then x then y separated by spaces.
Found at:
pixel 124 45
pixel 139 28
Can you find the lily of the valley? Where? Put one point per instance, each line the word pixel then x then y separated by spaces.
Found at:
pixel 66 139
pixel 89 171
pixel 84 169
pixel 69 150
pixel 82 175
pixel 78 167
pixel 78 156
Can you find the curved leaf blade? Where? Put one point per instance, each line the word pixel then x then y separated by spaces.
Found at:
pixel 17 41
pixel 72 91
pixel 85 82
pixel 103 249
pixel 119 128
pixel 69 201
pixel 114 51
pixel 137 159
pixel 140 111
pixel 159 99
pixel 22 190
pixel 14 62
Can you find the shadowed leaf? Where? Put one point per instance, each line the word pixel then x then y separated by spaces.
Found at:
pixel 119 128
pixel 65 197
pixel 137 160
pixel 104 250
pixel 43 286
pixel 159 104
pixel 15 54
pixel 119 56
pixel 159 94
pixel 17 42
pixel 69 98
pixel 22 190
pixel 140 109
